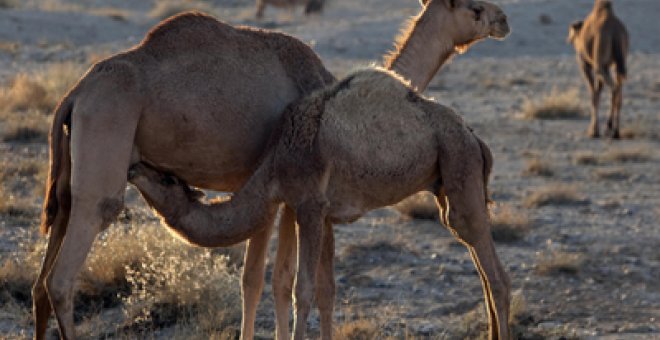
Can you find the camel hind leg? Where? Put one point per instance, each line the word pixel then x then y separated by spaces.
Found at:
pixel 41 307
pixel 614 119
pixel 467 218
pixel 101 144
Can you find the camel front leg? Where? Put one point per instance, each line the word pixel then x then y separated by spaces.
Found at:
pixel 495 284
pixel 325 282
pixel 252 280
pixel 310 229
pixel 594 130
pixel 467 215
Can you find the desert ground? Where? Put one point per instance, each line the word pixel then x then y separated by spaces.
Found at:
pixel 575 219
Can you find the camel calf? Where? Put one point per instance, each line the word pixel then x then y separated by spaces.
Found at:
pixel 366 142
pixel 601 43
pixel 311 6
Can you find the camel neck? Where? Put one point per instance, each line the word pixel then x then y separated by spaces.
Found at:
pixel 217 224
pixel 421 51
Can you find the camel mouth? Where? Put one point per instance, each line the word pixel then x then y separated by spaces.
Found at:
pixel 500 30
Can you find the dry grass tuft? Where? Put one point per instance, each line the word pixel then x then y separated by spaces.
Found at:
pixel 26 127
pixel 628 155
pixel 166 8
pixel 555 194
pixel 159 280
pixel 361 329
pixel 616 174
pixel 559 262
pixel 586 158
pixel 39 91
pixel 17 207
pixel 420 206
pixel 615 155
pixel 24 93
pixel 508 225
pixel 538 167
pixel 556 105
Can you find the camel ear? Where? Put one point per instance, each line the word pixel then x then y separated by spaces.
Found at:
pixel 574 30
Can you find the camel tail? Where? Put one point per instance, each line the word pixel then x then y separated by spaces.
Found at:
pixel 60 158
pixel 487 157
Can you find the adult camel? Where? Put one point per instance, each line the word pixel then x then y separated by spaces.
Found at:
pixel 190 78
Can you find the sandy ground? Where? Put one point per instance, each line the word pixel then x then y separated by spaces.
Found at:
pixel 410 274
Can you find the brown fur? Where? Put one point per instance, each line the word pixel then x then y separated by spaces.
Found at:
pixel 242 79
pixel 601 44
pixel 335 159
pixel 134 96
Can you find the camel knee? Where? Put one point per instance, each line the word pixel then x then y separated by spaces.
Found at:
pixel 283 285
pixel 60 293
pixel 466 227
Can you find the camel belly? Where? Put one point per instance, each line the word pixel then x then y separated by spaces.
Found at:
pixel 212 140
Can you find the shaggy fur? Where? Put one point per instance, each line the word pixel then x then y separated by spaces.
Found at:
pixel 366 142
pixel 601 44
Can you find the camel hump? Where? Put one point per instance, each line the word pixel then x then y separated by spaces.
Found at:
pixel 186 30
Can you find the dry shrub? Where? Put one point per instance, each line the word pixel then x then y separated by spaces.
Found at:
pixel 176 283
pixel 559 262
pixel 538 167
pixel 27 127
pixel 40 91
pixel 361 329
pixel 556 105
pixel 419 206
pixel 159 279
pixel 24 93
pixel 555 194
pixel 167 8
pixel 508 225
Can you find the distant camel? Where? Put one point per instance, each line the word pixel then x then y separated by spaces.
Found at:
pixel 367 142
pixel 311 6
pixel 194 77
pixel 601 43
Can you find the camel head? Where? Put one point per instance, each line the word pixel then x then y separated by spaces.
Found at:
pixel 468 20
pixel 574 31
pixel 158 186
